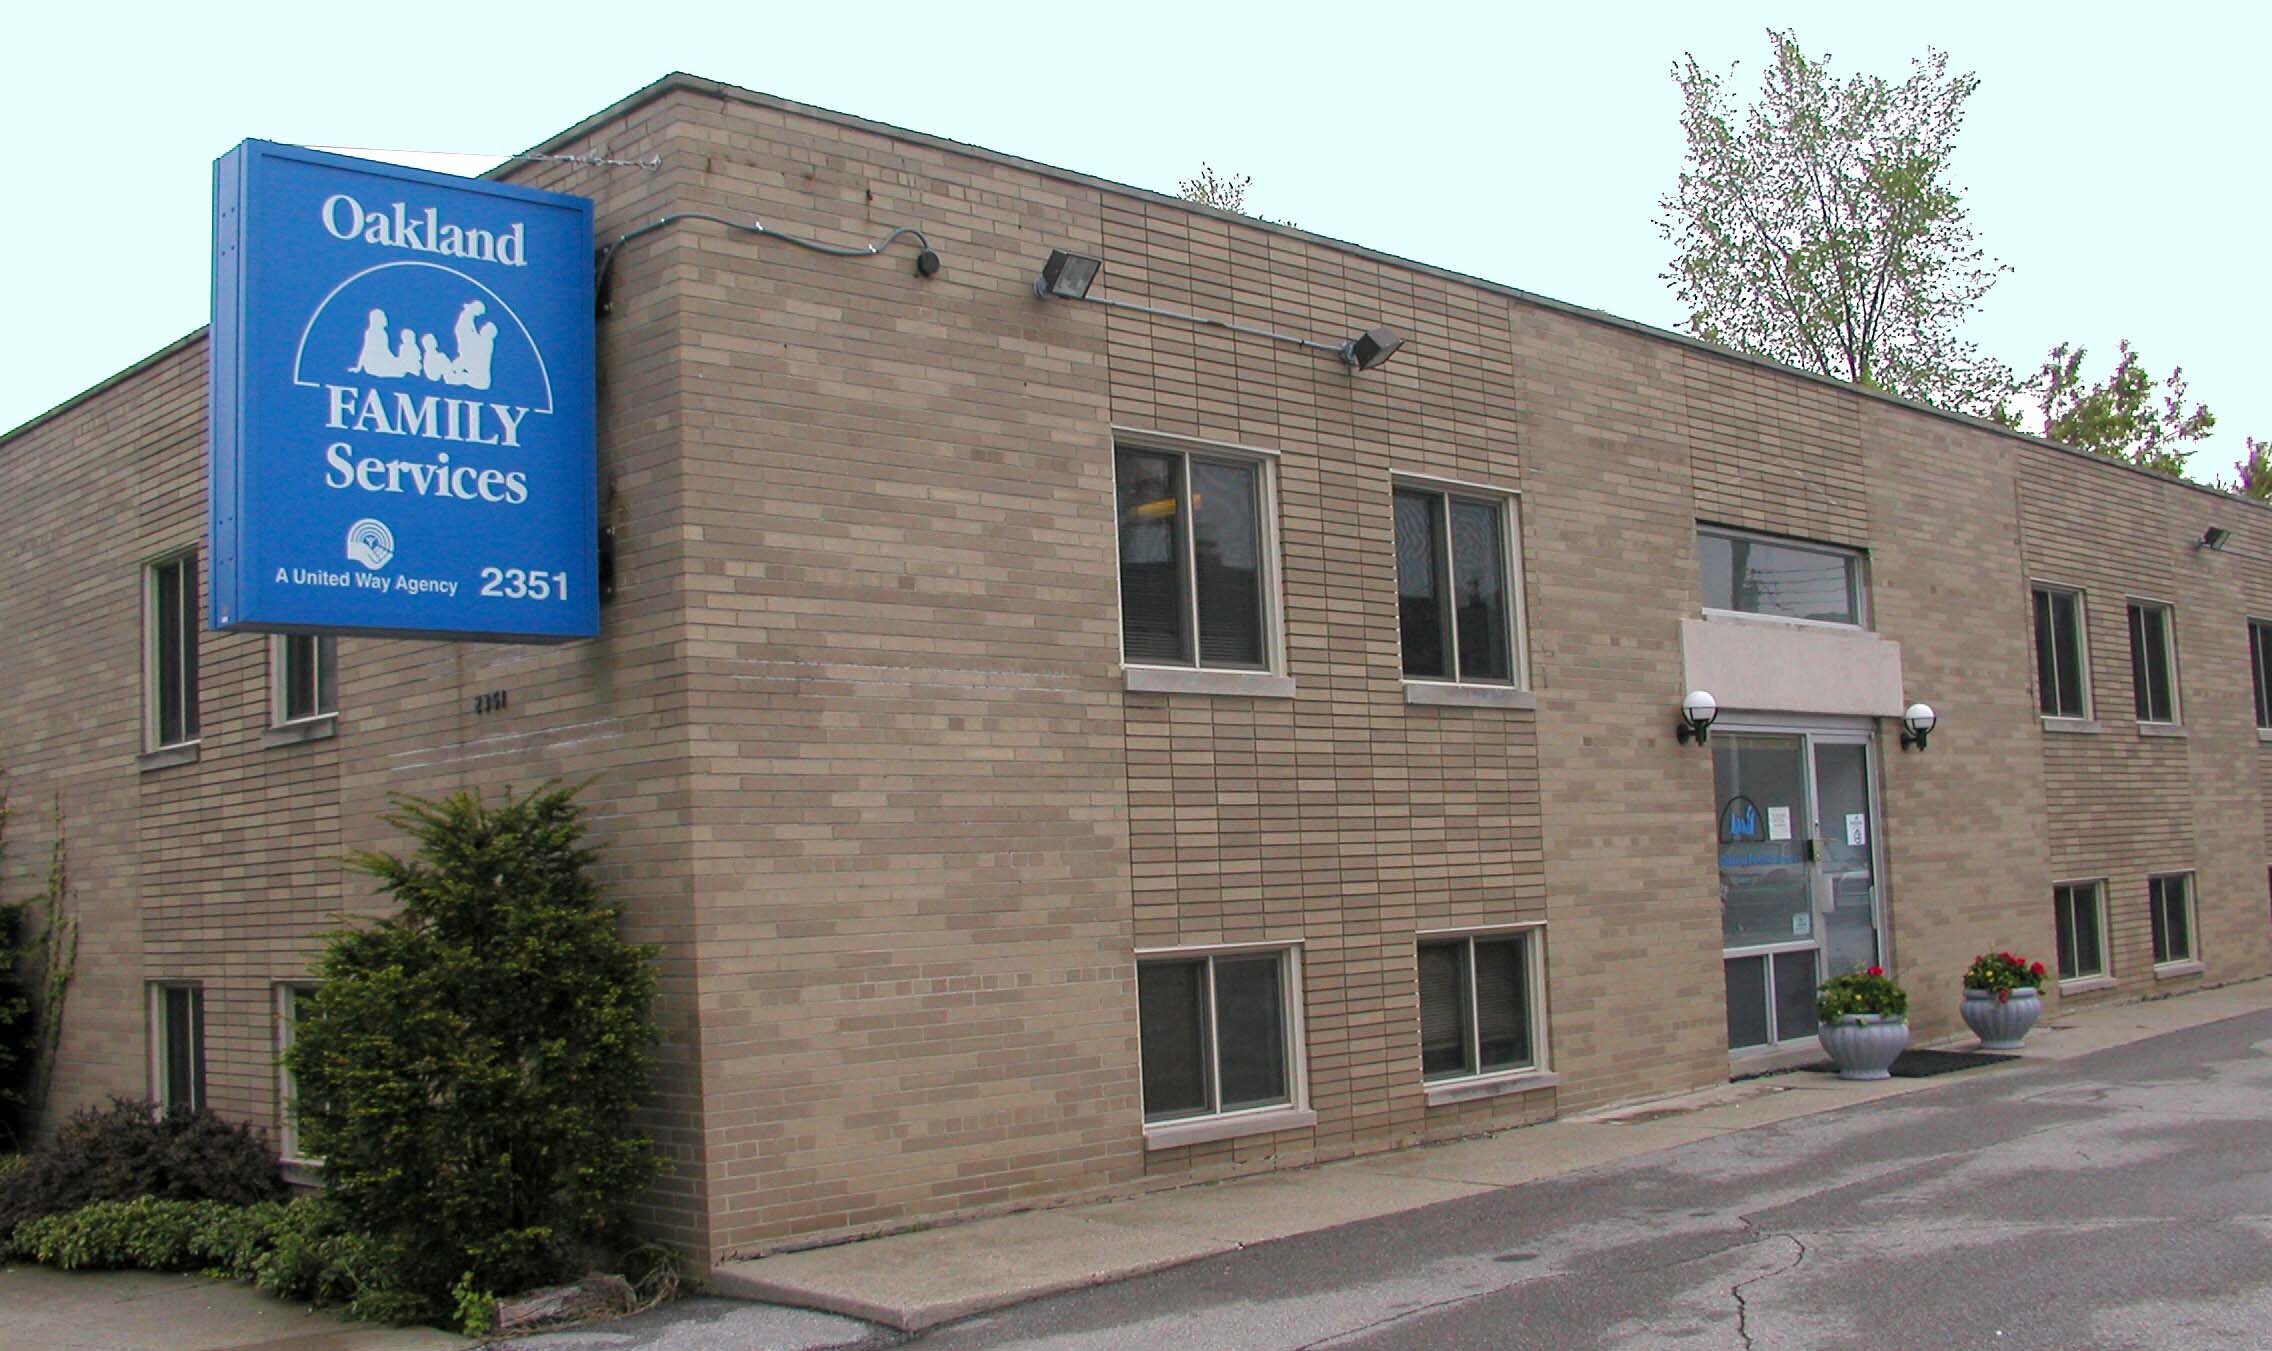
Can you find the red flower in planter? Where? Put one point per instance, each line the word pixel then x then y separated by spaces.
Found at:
pixel 1875 971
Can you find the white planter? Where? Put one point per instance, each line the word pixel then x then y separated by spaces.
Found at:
pixel 2001 1024
pixel 1864 1045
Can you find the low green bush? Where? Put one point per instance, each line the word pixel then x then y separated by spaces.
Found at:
pixel 130 1150
pixel 148 1234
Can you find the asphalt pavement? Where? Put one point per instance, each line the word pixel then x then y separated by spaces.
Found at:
pixel 2123 1199
pixel 2113 1188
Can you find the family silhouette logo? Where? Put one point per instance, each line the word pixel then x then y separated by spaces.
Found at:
pixel 1740 822
pixel 413 327
pixel 370 543
pixel 467 364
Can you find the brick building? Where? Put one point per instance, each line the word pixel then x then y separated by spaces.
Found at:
pixel 1067 748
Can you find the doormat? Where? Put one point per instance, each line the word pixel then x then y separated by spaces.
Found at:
pixel 1922 1064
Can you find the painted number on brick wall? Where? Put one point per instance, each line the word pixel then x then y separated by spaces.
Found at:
pixel 490 702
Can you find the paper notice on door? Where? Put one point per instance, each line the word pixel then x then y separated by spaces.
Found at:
pixel 1801 925
pixel 1857 829
pixel 1778 823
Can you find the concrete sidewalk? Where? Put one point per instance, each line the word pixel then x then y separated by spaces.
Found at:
pixel 47 1310
pixel 917 1280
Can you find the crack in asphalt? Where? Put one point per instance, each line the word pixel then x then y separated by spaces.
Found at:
pixel 1743 1305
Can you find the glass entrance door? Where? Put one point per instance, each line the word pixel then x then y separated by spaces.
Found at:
pixel 1798 895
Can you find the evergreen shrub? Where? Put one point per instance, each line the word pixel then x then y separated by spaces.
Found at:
pixel 468 1068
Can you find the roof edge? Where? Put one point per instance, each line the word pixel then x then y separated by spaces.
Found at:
pixel 682 82
pixel 115 378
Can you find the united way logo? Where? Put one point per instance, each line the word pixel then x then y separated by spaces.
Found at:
pixel 370 543
pixel 1740 822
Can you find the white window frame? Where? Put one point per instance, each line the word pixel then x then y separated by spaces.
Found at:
pixel 1292 1114
pixel 1539 1073
pixel 1195 676
pixel 2176 716
pixel 287 1085
pixel 1858 581
pixel 326 649
pixel 153 738
pixel 2189 963
pixel 2084 980
pixel 1429 689
pixel 2082 652
pixel 158 1026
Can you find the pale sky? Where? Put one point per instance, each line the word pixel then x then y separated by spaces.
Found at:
pixel 2113 157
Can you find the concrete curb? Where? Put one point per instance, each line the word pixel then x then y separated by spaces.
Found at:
pixel 917 1280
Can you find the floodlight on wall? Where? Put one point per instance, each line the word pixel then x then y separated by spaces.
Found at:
pixel 1917 723
pixel 1697 710
pixel 2213 539
pixel 1068 276
pixel 1371 348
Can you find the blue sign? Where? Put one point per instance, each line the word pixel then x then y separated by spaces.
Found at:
pixel 401 405
pixel 1740 821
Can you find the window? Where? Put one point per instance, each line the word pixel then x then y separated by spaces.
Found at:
pixel 1760 576
pixel 2080 920
pixel 291 1002
pixel 2172 901
pixel 170 652
pixel 1194 574
pixel 303 677
pixel 2062 686
pixel 1216 1033
pixel 1478 1005
pixel 1455 607
pixel 177 1046
pixel 2153 662
pixel 2260 664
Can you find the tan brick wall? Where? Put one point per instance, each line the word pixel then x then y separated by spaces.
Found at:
pixel 865 766
pixel 2123 805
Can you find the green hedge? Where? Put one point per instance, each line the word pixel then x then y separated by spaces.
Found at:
pixel 297 1251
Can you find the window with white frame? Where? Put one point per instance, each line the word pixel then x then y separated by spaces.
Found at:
pixel 1217 1032
pixel 1195 562
pixel 2153 661
pixel 177 1046
pixel 303 677
pixel 2079 916
pixel 2260 668
pixel 169 651
pixel 2062 663
pixel 292 1000
pixel 2171 898
pixel 1762 575
pixel 1479 1005
pixel 1456 610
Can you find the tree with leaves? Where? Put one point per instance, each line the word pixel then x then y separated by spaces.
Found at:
pixel 2124 416
pixel 2252 475
pixel 1819 226
pixel 469 1067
